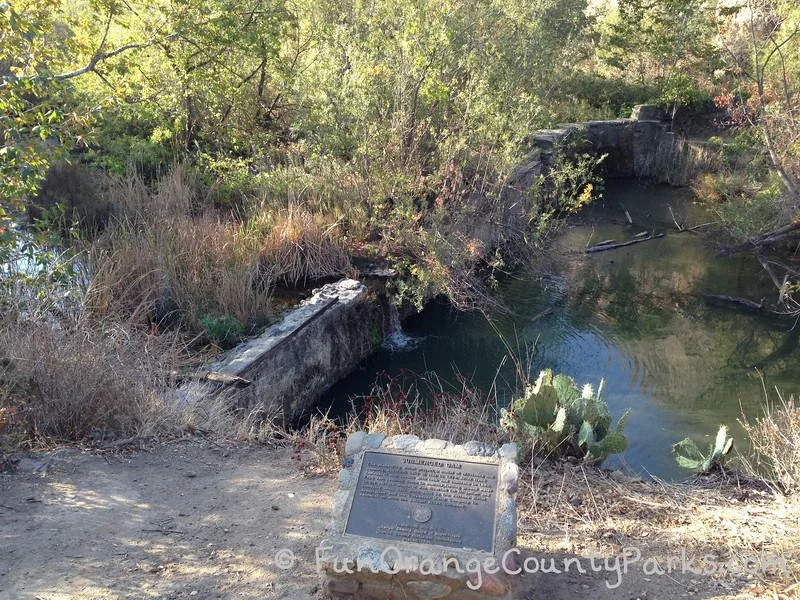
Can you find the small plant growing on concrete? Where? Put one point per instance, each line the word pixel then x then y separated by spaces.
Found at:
pixel 689 456
pixel 224 330
pixel 558 417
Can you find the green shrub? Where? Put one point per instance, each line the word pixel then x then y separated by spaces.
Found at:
pixel 225 330
pixel 715 143
pixel 78 191
pixel 559 418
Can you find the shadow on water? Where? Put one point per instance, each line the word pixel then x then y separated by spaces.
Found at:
pixel 634 316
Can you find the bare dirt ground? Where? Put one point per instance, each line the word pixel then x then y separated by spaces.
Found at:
pixel 92 526
pixel 198 519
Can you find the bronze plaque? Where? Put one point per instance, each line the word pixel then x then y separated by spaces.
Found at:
pixel 425 500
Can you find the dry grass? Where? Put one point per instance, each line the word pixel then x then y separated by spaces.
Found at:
pixel 99 382
pixel 219 416
pixel 159 263
pixel 86 381
pixel 423 405
pixel 170 259
pixel 579 510
pixel 430 408
pixel 303 247
pixel 775 442
pixel 678 162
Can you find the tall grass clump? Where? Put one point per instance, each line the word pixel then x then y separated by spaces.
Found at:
pixel 678 162
pixel 168 260
pixel 302 247
pixel 775 442
pixel 87 380
pixel 406 403
pixel 427 406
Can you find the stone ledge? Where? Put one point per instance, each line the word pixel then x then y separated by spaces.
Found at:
pixel 296 360
pixel 246 356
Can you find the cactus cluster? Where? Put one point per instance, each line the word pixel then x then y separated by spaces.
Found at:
pixel 559 418
pixel 689 456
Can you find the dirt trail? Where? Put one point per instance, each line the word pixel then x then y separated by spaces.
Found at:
pixel 194 519
pixel 91 527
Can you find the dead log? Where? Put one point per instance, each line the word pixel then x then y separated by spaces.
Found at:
pixel 214 376
pixel 734 301
pixel 791 231
pixel 601 248
pixel 225 379
pixel 744 304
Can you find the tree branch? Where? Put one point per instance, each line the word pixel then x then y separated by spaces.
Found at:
pixel 781 234
pixel 98 58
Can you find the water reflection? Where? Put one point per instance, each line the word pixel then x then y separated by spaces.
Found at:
pixel 634 316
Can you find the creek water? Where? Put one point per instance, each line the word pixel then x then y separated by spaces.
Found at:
pixel 634 316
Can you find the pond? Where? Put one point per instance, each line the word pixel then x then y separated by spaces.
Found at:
pixel 634 316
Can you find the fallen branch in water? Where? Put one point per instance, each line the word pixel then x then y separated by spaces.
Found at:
pixel 781 234
pixel 544 313
pixel 744 304
pixel 627 214
pixel 601 247
pixel 681 227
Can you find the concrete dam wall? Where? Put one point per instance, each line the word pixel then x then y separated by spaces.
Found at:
pixel 286 369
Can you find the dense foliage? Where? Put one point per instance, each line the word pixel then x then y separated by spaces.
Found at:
pixel 383 120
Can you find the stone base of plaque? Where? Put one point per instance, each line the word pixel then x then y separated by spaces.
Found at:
pixel 422 520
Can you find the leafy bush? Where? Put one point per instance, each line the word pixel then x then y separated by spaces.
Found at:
pixel 689 456
pixel 78 191
pixel 224 330
pixel 560 418
pixel 610 97
pixel 745 206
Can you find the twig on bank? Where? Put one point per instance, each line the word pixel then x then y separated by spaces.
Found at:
pixel 164 531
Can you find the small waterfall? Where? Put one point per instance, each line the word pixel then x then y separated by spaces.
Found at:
pixel 397 339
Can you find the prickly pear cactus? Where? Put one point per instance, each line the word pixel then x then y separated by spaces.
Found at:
pixel 688 455
pixel 557 415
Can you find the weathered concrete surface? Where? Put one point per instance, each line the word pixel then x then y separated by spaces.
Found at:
pixel 628 144
pixel 296 360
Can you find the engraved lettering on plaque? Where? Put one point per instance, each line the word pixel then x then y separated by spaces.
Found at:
pixel 415 499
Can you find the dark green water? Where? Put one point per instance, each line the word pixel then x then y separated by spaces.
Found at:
pixel 633 316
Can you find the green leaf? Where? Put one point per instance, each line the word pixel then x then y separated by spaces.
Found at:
pixel 688 455
pixel 623 420
pixel 586 435
pixel 560 421
pixel 566 388
pixel 614 443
